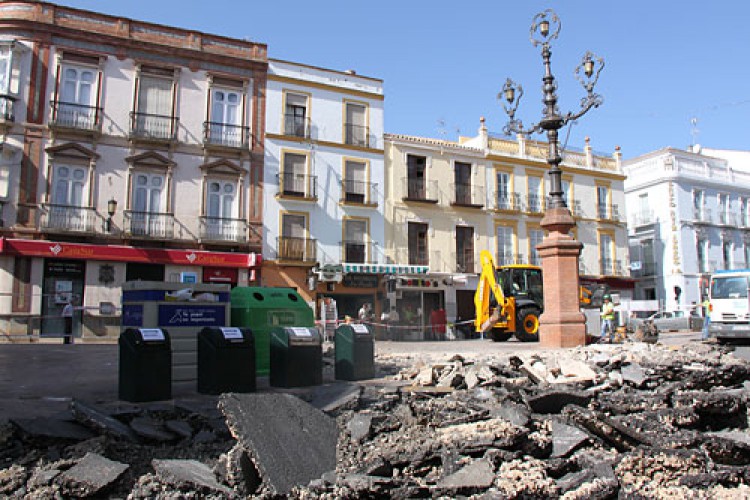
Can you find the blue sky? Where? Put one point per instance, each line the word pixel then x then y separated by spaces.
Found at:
pixel 443 63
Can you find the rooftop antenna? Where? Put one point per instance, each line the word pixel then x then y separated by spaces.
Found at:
pixel 694 132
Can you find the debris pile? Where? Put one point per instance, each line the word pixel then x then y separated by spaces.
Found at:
pixel 603 421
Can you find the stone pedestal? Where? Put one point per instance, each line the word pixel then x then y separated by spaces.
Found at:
pixel 562 324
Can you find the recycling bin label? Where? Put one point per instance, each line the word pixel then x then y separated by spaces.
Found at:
pixel 185 315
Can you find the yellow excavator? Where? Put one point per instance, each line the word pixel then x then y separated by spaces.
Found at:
pixel 508 300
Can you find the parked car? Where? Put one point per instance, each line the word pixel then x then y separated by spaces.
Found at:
pixel 677 320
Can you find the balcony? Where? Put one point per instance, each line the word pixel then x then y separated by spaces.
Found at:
pixel 534 204
pixel 223 230
pixel 359 192
pixel 357 252
pixel 463 262
pixel 153 128
pixel 149 225
pixel 466 195
pixel 609 267
pixel 727 219
pixel 608 212
pixel 644 218
pixel 702 216
pixel 357 135
pixel 68 219
pixel 420 190
pixel 73 116
pixel 294 185
pixel 7 103
pixel 224 135
pixel 535 260
pixel 296 249
pixel 296 126
pixel 506 201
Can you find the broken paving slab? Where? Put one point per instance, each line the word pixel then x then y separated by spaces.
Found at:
pixel 634 374
pixel 91 474
pixel 94 417
pixel 359 426
pixel 54 428
pixel 290 441
pixel 554 401
pixel 478 475
pixel 152 429
pixel 566 438
pixel 189 474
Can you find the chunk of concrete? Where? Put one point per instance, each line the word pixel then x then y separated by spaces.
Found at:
pixel 179 427
pixel 555 401
pixel 359 427
pixel 290 441
pixel 478 475
pixel 94 417
pixel 190 474
pixel 566 438
pixel 152 429
pixel 634 374
pixel 54 428
pixel 91 474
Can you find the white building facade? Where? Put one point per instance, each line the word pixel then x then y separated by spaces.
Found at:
pixel 323 210
pixel 688 217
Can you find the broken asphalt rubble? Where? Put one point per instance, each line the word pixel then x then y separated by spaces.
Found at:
pixel 602 421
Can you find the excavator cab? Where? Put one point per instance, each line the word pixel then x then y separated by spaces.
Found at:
pixel 522 282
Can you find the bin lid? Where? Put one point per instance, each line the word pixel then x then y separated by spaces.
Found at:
pixel 152 334
pixel 358 329
pixel 299 335
pixel 227 335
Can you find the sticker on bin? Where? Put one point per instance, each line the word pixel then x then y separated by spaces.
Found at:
pixel 359 328
pixel 301 332
pixel 232 333
pixel 150 334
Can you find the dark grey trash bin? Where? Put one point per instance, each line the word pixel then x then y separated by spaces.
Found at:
pixel 296 357
pixel 226 360
pixel 145 365
pixel 355 352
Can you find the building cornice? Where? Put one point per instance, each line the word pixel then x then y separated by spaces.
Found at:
pixel 325 86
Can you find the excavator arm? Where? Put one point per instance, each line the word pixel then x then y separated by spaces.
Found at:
pixel 486 288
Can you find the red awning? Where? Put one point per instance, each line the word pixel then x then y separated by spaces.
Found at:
pixel 64 250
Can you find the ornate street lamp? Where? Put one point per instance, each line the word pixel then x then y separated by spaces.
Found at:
pixel 111 209
pixel 562 323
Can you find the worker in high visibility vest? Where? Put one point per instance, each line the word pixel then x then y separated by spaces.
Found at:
pixel 706 317
pixel 608 319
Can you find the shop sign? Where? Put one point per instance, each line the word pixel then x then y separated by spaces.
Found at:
pixel 358 280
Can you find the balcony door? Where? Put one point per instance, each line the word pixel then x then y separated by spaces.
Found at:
pixel 462 176
pixel 416 177
pixel 226 113
pixel 356 130
pixel 295 116
pixel 66 211
pixel 75 106
pixel 154 107
pixel 417 234
pixel 220 208
pixel 293 176
pixel 293 237
pixel 354 182
pixel 355 234
pixel 147 219
pixel 464 249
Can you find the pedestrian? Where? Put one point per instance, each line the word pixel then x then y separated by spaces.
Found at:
pixel 67 315
pixel 365 313
pixel 438 321
pixel 328 316
pixel 608 319
pixel 706 317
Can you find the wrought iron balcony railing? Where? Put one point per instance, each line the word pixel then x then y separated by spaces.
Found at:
pixel 67 218
pixel 463 262
pixel 643 218
pixel 535 260
pixel 356 135
pixel 534 204
pixel 7 103
pixel 606 267
pixel 222 229
pixel 71 115
pixel 296 249
pixel 357 252
pixel 466 195
pixel 148 224
pixel 298 185
pixel 420 190
pixel 507 259
pixel 296 126
pixel 507 201
pixel 702 215
pixel 359 192
pixel 153 127
pixel 226 135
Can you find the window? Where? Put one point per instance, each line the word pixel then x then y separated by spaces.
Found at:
pixel 295 115
pixel 746 248
pixel 723 209
pixel 225 122
pixel 293 176
pixel 462 176
pixel 702 253
pixel 355 184
pixel 464 249
pixel 220 221
pixel 605 255
pixel 535 194
pixel 69 185
pixel 503 195
pixel 565 183
pixel 153 117
pixel 76 101
pixel 355 126
pixel 148 193
pixel 416 177
pixel 417 234
pixel 355 241
pixel 726 253
pixel 535 239
pixel 5 68
pixel 644 210
pixel 602 202
pixel 698 204
pixel 505 246
pixel 743 212
pixel 293 244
